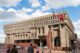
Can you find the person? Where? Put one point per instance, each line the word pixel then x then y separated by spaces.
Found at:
pixel 14 49
pixel 37 51
pixel 30 49
pixel 26 49
pixel 22 50
pixel 8 50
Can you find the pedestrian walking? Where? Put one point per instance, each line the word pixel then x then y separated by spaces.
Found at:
pixel 30 49
pixel 22 50
pixel 26 49
pixel 37 50
pixel 14 49
pixel 8 50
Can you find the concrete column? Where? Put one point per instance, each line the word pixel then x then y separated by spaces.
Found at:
pixel 12 39
pixel 22 36
pixel 25 36
pixel 37 31
pixel 41 43
pixel 46 29
pixel 41 31
pixel 67 35
pixel 62 36
pixel 9 40
pixel 52 42
pixel 52 36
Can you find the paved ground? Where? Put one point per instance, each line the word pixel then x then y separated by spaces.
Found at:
pixel 25 51
pixel 3 50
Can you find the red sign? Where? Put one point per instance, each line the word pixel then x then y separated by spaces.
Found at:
pixel 59 16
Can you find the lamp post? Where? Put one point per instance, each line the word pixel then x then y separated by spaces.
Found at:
pixel 75 46
pixel 41 44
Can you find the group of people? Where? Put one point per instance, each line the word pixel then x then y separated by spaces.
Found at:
pixel 13 49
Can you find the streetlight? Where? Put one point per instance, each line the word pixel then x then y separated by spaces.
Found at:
pixel 75 46
pixel 41 44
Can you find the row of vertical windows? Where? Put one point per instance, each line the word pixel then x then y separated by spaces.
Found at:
pixel 45 21
pixel 21 35
pixel 36 22
pixel 39 30
pixel 22 41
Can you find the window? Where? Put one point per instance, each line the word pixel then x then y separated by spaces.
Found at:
pixel 16 35
pixel 49 26
pixel 23 35
pixel 35 28
pixel 26 35
pixel 8 37
pixel 51 17
pixel 39 30
pixel 55 26
pixel 43 29
pixel 62 25
pixel 55 20
pixel 47 18
pixel 57 42
pixel 8 34
pixel 13 33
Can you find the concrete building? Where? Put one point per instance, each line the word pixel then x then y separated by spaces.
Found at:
pixel 53 30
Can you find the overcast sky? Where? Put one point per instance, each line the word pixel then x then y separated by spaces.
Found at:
pixel 12 11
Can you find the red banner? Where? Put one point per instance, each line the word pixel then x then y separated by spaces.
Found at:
pixel 59 16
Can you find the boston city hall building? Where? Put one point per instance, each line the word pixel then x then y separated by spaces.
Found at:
pixel 52 31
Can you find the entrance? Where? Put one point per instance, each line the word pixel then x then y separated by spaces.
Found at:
pixel 43 41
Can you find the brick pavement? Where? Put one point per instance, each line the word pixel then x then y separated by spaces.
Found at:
pixel 3 50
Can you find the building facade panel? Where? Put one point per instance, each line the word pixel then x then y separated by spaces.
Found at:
pixel 37 30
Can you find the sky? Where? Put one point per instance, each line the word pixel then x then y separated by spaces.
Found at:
pixel 12 11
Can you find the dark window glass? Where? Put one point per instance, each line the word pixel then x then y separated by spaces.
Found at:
pixel 43 29
pixel 57 42
pixel 39 30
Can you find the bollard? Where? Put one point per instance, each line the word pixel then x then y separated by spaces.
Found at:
pixel 42 50
pixel 50 50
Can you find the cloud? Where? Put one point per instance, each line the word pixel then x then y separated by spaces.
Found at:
pixel 19 15
pixel 2 36
pixel 11 10
pixel 1 9
pixel 2 40
pixel 8 3
pixel 77 27
pixel 38 13
pixel 56 4
pixel 27 10
pixel 34 3
pixel 11 16
pixel 6 14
